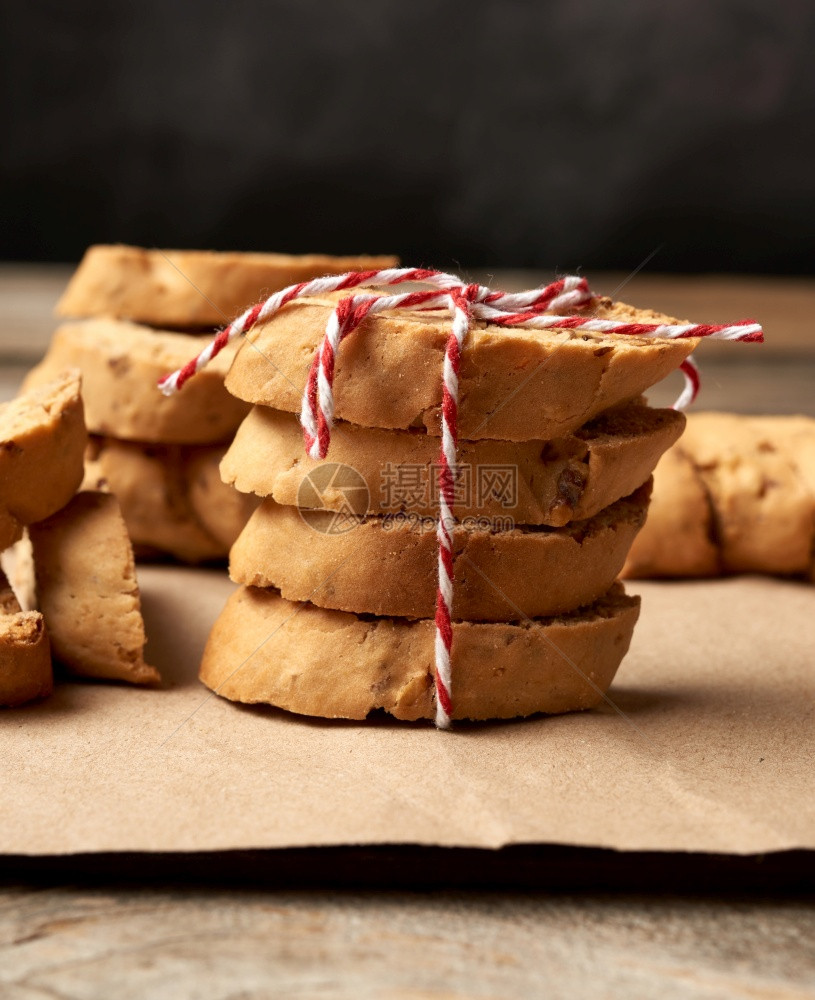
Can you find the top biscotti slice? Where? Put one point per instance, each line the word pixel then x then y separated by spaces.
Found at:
pixel 514 384
pixel 42 444
pixel 121 364
pixel 190 288
pixel 377 471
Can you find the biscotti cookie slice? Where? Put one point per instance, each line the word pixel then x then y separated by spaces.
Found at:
pixel 25 656
pixel 221 510
pixel 172 499
pixel 764 514
pixel 678 537
pixel 389 566
pixel 88 593
pixel 515 384
pixel 42 442
pixel 264 649
pixel 190 288
pixel 534 482
pixel 795 437
pixel 742 485
pixel 121 364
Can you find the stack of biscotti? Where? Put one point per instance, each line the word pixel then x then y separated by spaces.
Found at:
pixel 735 495
pixel 135 316
pixel 338 565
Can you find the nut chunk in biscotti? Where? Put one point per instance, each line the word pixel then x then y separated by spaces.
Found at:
pixel 42 444
pixel 88 593
pixel 25 657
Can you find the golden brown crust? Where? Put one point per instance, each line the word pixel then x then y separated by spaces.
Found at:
pixel 25 656
pixel 189 288
pixel 514 384
pixel 121 364
pixel 550 482
pixel 264 649
pixel 88 593
pixel 42 441
pixel 387 566
pixel 172 499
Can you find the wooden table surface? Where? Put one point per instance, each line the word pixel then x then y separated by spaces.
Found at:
pixel 63 935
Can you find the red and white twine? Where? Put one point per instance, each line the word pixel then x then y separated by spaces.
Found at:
pixel 536 309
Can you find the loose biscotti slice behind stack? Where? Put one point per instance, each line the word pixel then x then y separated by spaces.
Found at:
pixel 190 289
pixel 171 496
pixel 515 384
pixel 42 443
pixel 121 364
pixel 265 649
pixel 764 513
pixel 140 314
pixel 737 494
pixel 678 537
pixel 550 482
pixel 88 593
pixel 25 656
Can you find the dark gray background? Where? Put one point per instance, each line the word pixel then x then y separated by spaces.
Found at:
pixel 510 133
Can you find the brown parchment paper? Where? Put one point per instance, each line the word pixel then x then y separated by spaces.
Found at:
pixel 709 747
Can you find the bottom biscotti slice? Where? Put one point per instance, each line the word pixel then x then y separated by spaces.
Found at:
pixel 25 656
pixel 172 497
pixel 265 649
pixel 387 566
pixel 87 590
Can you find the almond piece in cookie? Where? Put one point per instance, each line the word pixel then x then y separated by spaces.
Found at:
pixel 88 593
